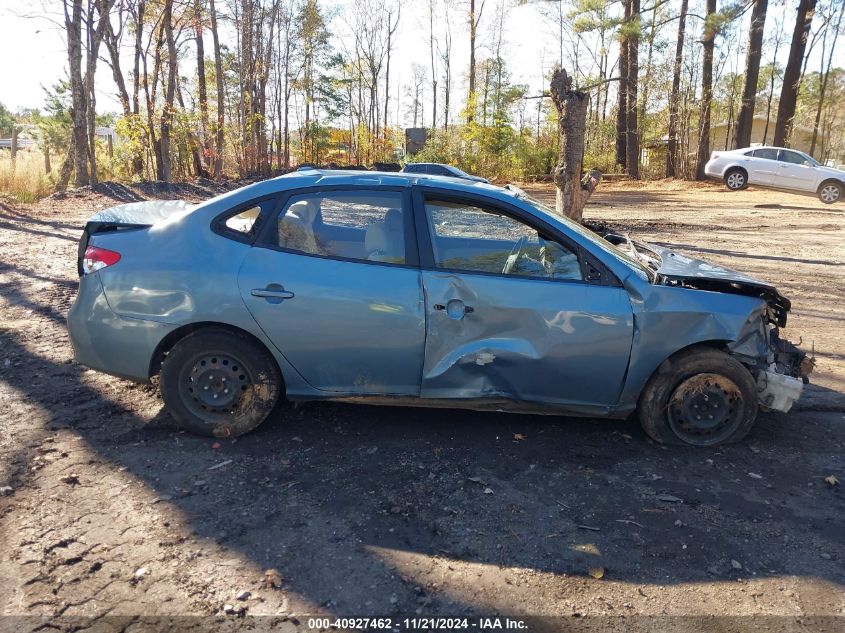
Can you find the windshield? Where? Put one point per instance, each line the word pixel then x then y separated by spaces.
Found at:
pixel 459 172
pixel 589 235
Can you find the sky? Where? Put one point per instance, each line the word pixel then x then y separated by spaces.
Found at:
pixel 33 53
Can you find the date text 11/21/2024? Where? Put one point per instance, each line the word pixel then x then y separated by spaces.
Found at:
pixel 418 624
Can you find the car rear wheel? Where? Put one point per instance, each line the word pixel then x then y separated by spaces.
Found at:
pixel 830 192
pixel 701 397
pixel 219 383
pixel 736 179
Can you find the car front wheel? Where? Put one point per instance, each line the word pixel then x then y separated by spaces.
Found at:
pixel 736 179
pixel 701 397
pixel 830 192
pixel 219 383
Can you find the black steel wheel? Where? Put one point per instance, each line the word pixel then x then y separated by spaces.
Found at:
pixel 220 383
pixel 700 397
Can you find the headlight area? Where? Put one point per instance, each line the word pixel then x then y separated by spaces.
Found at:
pixel 780 368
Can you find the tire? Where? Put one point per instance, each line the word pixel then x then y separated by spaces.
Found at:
pixel 736 179
pixel 219 383
pixel 700 397
pixel 830 192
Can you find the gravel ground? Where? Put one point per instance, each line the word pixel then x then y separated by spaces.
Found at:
pixel 106 510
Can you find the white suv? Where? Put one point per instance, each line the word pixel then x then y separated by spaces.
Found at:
pixel 777 168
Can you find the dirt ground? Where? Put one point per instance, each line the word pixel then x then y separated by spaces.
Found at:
pixel 106 510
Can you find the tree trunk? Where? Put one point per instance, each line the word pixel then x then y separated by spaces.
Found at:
pixel 632 132
pixel 169 94
pixel 825 77
pixel 473 33
pixel 73 24
pixel 67 168
pixel 202 87
pixel 745 118
pixel 622 94
pixel 221 105
pixel 672 145
pixel 708 44
pixel 792 74
pixel 572 108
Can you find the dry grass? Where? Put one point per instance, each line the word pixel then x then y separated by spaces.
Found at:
pixel 25 180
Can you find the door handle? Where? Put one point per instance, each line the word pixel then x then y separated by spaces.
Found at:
pixel 455 308
pixel 274 293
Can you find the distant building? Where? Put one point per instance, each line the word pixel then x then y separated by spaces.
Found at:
pixel 801 137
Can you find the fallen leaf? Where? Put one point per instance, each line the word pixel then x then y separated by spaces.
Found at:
pixel 755 476
pixel 273 579
pixel 596 572
pixel 476 480
pixel 831 480
pixel 216 445
pixel 488 491
pixel 519 437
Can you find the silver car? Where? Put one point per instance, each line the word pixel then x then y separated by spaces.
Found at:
pixel 413 290
pixel 777 168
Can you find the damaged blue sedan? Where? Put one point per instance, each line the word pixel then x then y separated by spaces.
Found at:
pixel 420 290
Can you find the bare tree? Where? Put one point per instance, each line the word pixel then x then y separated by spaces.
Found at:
pixel 79 147
pixel 672 145
pixel 745 118
pixel 825 71
pixel 708 44
pixel 571 194
pixel 165 165
pixel 474 19
pixel 792 74
pixel 446 62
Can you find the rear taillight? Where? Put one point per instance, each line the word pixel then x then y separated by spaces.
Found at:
pixel 97 258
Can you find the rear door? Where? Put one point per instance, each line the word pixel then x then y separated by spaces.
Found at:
pixel 333 281
pixel 795 172
pixel 763 166
pixel 509 312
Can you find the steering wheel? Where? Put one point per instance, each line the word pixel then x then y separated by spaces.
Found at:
pixel 513 257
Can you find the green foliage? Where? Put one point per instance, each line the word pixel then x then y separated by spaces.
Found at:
pixel 7 119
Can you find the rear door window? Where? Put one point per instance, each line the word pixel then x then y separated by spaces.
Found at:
pixel 767 153
pixel 359 225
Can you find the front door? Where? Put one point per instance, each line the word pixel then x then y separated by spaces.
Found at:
pixel 509 314
pixel 333 281
pixel 795 172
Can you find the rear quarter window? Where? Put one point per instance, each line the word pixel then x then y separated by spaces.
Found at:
pixel 244 221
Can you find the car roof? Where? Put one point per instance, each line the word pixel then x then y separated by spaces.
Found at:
pixel 387 178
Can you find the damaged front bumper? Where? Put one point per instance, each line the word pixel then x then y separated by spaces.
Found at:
pixel 780 383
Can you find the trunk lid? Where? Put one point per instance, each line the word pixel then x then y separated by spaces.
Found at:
pixel 128 217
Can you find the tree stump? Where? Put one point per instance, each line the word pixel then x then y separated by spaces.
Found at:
pixel 572 190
